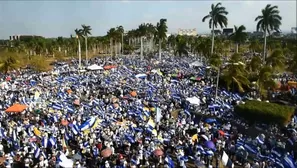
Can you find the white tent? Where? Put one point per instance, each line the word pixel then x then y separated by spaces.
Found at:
pixel 196 64
pixel 194 100
pixel 64 161
pixel 94 67
pixel 140 76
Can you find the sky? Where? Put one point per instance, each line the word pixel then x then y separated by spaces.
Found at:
pixel 60 18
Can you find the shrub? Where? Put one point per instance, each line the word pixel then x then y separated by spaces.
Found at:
pixel 40 64
pixel 270 113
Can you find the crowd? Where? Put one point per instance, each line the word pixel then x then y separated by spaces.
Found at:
pixel 128 112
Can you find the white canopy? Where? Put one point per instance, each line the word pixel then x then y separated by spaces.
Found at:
pixel 140 75
pixel 196 64
pixel 64 161
pixel 95 67
pixel 194 100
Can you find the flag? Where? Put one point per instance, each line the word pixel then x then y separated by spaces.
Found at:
pixel 37 152
pixel 158 115
pixel 52 141
pixel 169 161
pixel 226 161
pixel 44 142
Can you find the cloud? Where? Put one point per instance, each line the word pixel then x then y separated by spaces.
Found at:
pixel 125 1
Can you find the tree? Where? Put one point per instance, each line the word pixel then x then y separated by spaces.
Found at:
pixel 85 32
pixel 181 47
pixel 112 35
pixel 265 79
pixel 255 46
pixel 268 21
pixel 235 73
pixel 79 34
pixel 9 62
pixel 255 64
pixel 161 30
pixel 239 36
pixel 217 16
pixel 293 63
pixel 276 60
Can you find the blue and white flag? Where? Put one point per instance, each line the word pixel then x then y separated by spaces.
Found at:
pixel 44 142
pixel 52 141
pixel 37 152
pixel 288 162
pixel 169 161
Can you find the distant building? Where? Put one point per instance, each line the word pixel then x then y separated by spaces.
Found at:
pixel 23 37
pixel 187 32
pixel 294 30
pixel 256 34
pixel 227 31
pixel 217 32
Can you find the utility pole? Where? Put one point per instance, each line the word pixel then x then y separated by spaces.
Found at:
pixel 79 53
pixel 122 44
pixel 141 48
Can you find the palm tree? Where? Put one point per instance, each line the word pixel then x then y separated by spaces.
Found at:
pixel 255 64
pixel 255 46
pixel 239 36
pixel 112 35
pixel 270 20
pixel 217 16
pixel 161 30
pixel 181 46
pixel 86 31
pixel 276 60
pixel 293 65
pixel 119 35
pixel 236 74
pixel 265 79
pixel 79 34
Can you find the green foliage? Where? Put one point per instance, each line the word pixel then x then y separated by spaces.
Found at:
pixel 9 61
pixel 40 64
pixel 269 20
pixel 217 16
pixel 276 60
pixel 215 61
pixel 271 113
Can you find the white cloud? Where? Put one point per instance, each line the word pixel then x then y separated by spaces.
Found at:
pixel 125 1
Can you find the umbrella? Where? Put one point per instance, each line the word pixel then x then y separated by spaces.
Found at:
pixel 158 152
pixel 195 78
pixel 16 108
pixel 106 152
pixel 210 145
pixel 204 137
pixel 195 137
pixel 221 132
pixel 108 67
pixel 64 122
pixel 210 120
pixel 133 93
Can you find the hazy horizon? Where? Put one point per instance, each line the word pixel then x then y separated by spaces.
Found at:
pixel 60 18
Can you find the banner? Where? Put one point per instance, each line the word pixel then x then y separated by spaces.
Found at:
pixel 226 161
pixel 158 115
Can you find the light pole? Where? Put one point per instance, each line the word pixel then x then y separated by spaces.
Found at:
pixel 122 46
pixel 86 42
pixel 141 48
pixel 79 53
